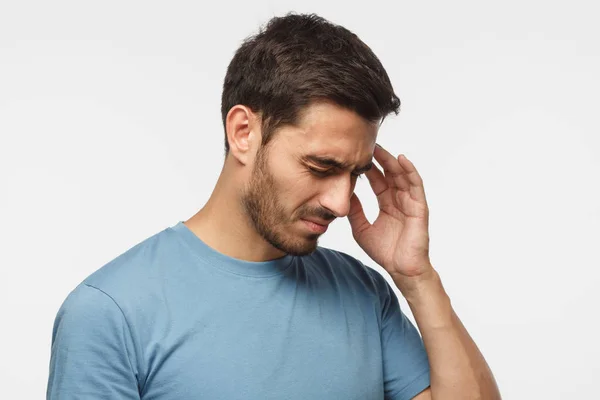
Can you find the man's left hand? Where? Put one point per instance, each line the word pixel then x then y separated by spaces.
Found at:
pixel 398 239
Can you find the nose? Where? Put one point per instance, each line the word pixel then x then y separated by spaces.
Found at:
pixel 337 196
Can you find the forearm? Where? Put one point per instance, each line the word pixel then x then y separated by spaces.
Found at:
pixel 458 369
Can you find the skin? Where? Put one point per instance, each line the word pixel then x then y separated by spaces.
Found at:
pixel 255 212
pixel 258 207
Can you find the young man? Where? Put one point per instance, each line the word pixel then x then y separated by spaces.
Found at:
pixel 239 301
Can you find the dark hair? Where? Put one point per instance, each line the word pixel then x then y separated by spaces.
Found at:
pixel 297 59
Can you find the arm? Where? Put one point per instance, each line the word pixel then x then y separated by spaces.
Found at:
pixel 405 363
pixel 458 369
pixel 92 351
pixel 398 240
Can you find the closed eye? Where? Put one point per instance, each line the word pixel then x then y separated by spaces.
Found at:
pixel 326 172
pixel 320 172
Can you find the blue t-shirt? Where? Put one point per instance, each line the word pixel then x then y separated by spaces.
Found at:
pixel 172 318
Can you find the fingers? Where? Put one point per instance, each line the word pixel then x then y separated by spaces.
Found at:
pixel 357 218
pixel 417 191
pixel 380 186
pixel 394 172
pixel 401 173
pixel 411 172
pixel 377 180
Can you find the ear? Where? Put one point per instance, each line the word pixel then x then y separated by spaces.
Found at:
pixel 244 134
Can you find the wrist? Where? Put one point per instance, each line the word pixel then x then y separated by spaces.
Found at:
pixel 428 301
pixel 416 289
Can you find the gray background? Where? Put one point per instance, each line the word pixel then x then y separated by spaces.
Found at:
pixel 110 131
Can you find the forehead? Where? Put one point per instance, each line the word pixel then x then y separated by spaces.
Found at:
pixel 326 129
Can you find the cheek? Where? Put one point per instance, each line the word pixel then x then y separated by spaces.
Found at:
pixel 299 195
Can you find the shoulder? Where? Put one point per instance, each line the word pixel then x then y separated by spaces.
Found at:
pixel 349 268
pixel 87 309
pixel 123 280
pixel 133 267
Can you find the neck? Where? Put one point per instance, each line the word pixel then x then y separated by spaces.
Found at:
pixel 224 225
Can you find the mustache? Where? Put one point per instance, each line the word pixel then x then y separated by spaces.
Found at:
pixel 320 213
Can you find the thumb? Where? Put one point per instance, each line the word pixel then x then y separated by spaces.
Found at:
pixel 356 216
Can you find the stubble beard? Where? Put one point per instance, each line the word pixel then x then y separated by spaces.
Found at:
pixel 268 216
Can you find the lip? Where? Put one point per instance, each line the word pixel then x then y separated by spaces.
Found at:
pixel 315 227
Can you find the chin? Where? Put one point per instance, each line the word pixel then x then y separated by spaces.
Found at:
pixel 300 245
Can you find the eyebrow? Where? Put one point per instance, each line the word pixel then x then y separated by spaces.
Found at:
pixel 332 162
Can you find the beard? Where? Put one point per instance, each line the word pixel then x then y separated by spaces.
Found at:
pixel 268 215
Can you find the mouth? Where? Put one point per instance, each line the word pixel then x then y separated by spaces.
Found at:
pixel 315 227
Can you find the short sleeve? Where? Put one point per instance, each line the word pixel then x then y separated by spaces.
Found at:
pixel 405 362
pixel 91 349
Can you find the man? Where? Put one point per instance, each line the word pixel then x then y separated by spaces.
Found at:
pixel 239 301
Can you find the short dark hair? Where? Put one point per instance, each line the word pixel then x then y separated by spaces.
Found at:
pixel 300 58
